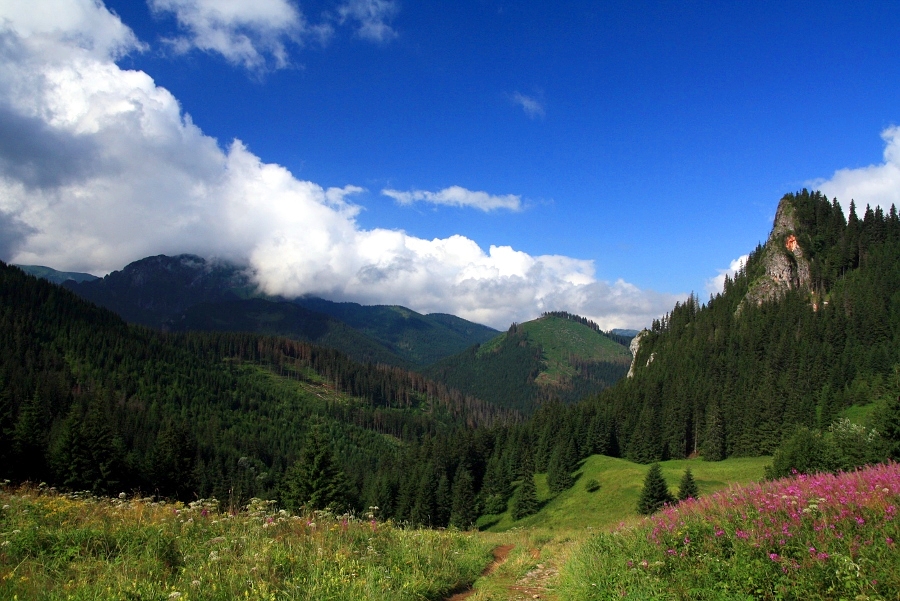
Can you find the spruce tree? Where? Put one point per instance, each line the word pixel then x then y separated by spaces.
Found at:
pixel 525 501
pixel 655 493
pixel 688 487
pixel 563 462
pixel 315 480
pixel 463 512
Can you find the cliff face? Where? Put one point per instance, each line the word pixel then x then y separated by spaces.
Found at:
pixel 786 266
pixel 634 347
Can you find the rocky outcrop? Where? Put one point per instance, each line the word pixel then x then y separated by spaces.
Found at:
pixel 786 266
pixel 635 347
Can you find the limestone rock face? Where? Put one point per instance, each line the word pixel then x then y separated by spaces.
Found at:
pixel 634 347
pixel 786 266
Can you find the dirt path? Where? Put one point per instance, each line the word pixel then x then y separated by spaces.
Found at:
pixel 500 555
pixel 533 585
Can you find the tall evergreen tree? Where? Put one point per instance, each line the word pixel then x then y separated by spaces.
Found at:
pixel 563 462
pixel 31 436
pixel 315 481
pixel 655 493
pixel 525 501
pixel 464 511
pixel 172 461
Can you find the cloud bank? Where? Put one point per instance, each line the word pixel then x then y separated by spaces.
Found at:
pixel 457 196
pixel 875 185
pixel 99 166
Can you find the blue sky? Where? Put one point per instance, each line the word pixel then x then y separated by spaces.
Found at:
pixel 483 158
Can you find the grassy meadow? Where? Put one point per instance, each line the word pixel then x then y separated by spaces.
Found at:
pixel 55 546
pixel 808 538
pixel 811 538
pixel 620 483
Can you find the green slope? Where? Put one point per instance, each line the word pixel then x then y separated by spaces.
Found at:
pixel 286 319
pixel 419 339
pixel 550 357
pixel 620 483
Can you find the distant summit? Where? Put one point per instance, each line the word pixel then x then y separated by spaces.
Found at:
pixel 57 277
pixel 186 292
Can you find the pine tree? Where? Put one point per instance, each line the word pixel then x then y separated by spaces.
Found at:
pixel 463 512
pixel 172 461
pixel 315 481
pixel 655 493
pixel 687 489
pixel 563 462
pixel 713 446
pixel 30 437
pixel 525 501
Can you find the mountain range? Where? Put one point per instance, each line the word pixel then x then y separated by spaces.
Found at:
pixel 557 356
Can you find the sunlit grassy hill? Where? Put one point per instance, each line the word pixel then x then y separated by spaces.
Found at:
pixel 549 357
pixel 620 483
pixel 563 342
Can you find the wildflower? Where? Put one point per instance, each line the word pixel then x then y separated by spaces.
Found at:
pixel 174 595
pixel 773 556
pixel 121 495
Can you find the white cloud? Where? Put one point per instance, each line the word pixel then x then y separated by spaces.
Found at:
pixel 99 166
pixel 716 284
pixel 249 33
pixel 532 106
pixel 371 17
pixel 457 196
pixel 875 185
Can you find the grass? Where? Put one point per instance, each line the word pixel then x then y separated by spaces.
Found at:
pixel 620 482
pixel 560 339
pixel 56 546
pixel 807 538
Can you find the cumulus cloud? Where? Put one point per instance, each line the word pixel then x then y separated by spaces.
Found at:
pixel 532 106
pixel 715 285
pixel 371 17
pixel 875 185
pixel 457 196
pixel 108 169
pixel 249 33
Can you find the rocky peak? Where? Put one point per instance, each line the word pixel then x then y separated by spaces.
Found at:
pixel 786 266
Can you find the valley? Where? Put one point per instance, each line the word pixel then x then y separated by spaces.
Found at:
pixel 421 444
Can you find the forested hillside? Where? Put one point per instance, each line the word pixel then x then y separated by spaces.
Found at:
pixel 734 376
pixel 189 293
pixel 558 356
pixel 90 402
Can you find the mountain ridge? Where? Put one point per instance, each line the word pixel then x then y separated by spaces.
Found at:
pixel 171 293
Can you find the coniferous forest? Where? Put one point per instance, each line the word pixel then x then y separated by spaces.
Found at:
pixel 88 401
